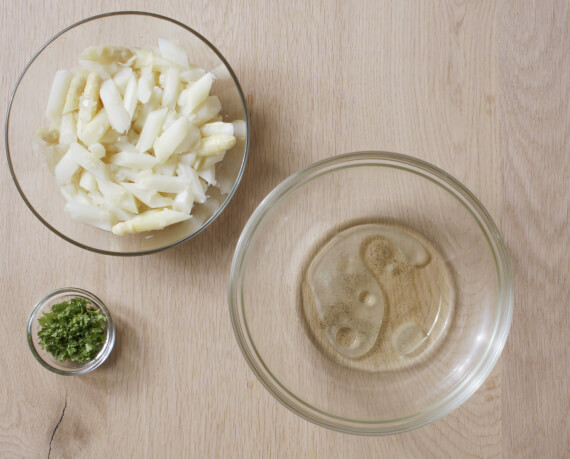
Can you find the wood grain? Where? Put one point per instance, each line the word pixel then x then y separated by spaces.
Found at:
pixel 479 88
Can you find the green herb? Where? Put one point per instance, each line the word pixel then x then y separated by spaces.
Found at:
pixel 73 330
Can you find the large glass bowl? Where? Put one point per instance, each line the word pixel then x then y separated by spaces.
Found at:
pixel 269 271
pixel 26 114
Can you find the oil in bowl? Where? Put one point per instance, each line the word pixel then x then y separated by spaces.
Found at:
pixel 377 297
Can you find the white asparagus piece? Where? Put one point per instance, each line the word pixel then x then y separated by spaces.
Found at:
pixel 207 111
pixel 117 195
pixel 89 101
pixel 68 129
pixel 87 181
pixel 216 144
pixel 217 127
pixel 75 90
pixel 149 198
pixel 173 52
pixel 171 117
pixel 72 193
pixel 130 99
pixel 130 160
pixel 209 161
pixel 191 75
pixel 240 129
pixel 196 187
pixel 188 158
pixel 197 93
pixel 106 54
pixel 151 129
pixel 121 79
pixel 114 105
pixel 150 220
pixel 184 201
pixel 164 183
pixel 168 167
pixel 146 83
pixel 170 139
pixel 65 169
pixel 92 215
pixel 95 129
pixel 209 175
pixel 143 110
pixel 171 88
pixel 97 151
pixel 88 161
pixel 57 94
pixel 123 174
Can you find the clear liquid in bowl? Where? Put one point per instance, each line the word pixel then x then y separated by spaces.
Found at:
pixel 377 297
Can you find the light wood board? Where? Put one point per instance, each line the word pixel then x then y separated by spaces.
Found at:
pixel 479 88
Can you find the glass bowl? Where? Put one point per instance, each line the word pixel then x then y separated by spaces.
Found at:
pixel 408 374
pixel 26 114
pixel 68 368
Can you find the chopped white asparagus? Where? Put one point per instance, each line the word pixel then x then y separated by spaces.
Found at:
pixel 207 111
pixel 217 127
pixel 240 129
pixel 130 98
pixel 173 52
pixel 88 161
pixel 195 94
pixel 164 183
pixel 216 144
pixel 74 92
pixel 150 220
pixel 121 79
pixel 90 214
pixel 171 117
pixel 58 93
pixel 209 175
pixel 117 195
pixel 209 161
pixel 159 154
pixel 115 107
pixel 68 129
pixel 88 181
pixel 184 201
pixel 189 159
pixel 170 139
pixel 171 88
pixel 123 174
pixel 97 151
pixel 89 101
pixel 66 169
pixel 149 198
pixel 146 83
pixel 139 161
pixel 168 167
pixel 143 110
pixel 106 54
pixel 195 184
pixel 192 74
pixel 95 129
pixel 151 129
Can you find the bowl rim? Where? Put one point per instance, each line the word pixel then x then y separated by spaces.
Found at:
pixel 246 144
pixel 466 387
pixel 103 353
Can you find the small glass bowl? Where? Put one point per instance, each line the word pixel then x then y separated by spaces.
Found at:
pixel 68 368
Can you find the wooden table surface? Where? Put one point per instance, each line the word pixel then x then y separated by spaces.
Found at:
pixel 479 88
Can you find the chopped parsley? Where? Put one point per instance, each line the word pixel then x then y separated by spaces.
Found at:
pixel 73 330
